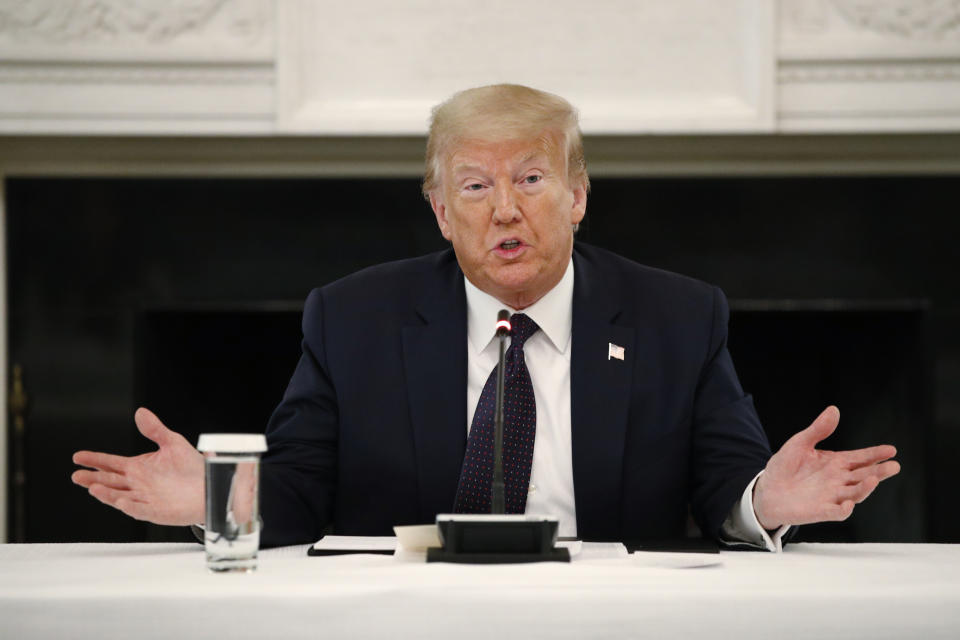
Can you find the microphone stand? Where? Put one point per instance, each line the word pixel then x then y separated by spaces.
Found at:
pixel 497 538
pixel 497 500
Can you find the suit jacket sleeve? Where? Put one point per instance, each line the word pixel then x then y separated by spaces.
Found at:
pixel 299 471
pixel 728 446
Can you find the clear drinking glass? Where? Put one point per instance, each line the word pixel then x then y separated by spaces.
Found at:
pixel 232 490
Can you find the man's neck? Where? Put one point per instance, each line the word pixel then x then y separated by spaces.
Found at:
pixel 552 312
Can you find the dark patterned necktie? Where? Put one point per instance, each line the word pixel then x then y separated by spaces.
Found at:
pixel 519 431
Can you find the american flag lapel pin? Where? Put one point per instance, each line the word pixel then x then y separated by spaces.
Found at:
pixel 614 351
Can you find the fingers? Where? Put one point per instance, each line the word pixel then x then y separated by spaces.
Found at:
pixel 835 512
pixel 151 427
pixel 124 501
pixel 880 471
pixel 869 456
pixel 86 478
pixel 245 482
pixel 863 481
pixel 840 512
pixel 112 497
pixel 857 493
pixel 821 428
pixel 103 461
pixel 139 506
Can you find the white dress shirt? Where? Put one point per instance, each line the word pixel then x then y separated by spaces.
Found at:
pixel 547 354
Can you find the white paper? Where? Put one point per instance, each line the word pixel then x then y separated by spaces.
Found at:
pixel 418 537
pixel 356 544
pixel 676 560
pixel 572 546
pixel 600 551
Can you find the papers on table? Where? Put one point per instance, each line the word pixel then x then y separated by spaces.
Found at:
pixel 598 551
pixel 418 537
pixel 414 540
pixel 669 560
pixel 338 545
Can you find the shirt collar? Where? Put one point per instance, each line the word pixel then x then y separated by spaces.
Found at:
pixel 553 313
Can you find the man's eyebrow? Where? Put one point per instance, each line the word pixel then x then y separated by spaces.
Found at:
pixel 464 167
pixel 533 155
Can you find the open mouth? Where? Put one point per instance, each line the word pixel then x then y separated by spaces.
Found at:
pixel 509 244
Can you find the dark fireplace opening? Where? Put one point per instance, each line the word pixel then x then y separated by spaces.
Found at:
pixel 213 370
pixel 872 360
pixel 184 295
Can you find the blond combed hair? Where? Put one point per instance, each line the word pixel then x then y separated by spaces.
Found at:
pixel 501 112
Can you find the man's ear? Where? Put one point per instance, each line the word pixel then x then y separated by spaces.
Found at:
pixel 440 211
pixel 579 209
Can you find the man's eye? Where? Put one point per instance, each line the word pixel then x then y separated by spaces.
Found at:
pixel 533 179
pixel 475 186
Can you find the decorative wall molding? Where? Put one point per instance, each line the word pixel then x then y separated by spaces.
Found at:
pixel 137 66
pixel 868 29
pixel 283 67
pixel 630 66
pixel 869 72
pixel 900 19
pixel 903 18
pixel 175 74
pixel 868 65
pixel 168 23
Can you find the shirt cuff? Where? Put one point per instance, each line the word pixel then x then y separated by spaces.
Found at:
pixel 741 528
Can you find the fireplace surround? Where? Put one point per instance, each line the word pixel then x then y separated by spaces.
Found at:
pixel 136 290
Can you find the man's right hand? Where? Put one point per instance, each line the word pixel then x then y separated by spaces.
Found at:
pixel 164 486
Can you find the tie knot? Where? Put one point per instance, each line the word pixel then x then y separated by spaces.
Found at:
pixel 521 328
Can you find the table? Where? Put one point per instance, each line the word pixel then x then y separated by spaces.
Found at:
pixel 164 591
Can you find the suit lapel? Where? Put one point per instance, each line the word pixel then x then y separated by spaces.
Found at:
pixel 435 361
pixel 600 399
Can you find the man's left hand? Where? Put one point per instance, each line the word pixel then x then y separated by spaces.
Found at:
pixel 802 484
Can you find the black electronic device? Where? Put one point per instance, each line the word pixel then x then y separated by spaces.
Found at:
pixel 497 539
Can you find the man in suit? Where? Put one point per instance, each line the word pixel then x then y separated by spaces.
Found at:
pixel 632 407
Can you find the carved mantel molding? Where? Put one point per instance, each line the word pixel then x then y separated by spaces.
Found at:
pixel 137 66
pixel 924 19
pixel 147 24
pixel 925 71
pixel 868 65
pixel 284 67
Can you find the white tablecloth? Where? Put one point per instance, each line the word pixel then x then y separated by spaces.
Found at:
pixel 164 591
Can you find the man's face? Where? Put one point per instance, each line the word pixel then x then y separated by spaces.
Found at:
pixel 509 211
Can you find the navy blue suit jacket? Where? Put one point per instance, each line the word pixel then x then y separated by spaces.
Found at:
pixel 371 431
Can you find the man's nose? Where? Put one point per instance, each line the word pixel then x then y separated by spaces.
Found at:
pixel 505 207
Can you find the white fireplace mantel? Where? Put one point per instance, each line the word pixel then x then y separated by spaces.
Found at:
pixel 316 87
pixel 374 67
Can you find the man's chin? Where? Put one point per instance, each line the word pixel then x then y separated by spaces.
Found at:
pixel 516 288
pixel 512 277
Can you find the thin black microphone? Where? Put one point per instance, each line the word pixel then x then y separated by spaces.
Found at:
pixel 496 537
pixel 497 500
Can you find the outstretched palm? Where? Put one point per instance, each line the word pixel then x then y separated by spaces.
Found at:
pixel 802 484
pixel 164 486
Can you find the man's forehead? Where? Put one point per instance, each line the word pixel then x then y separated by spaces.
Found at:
pixel 473 153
